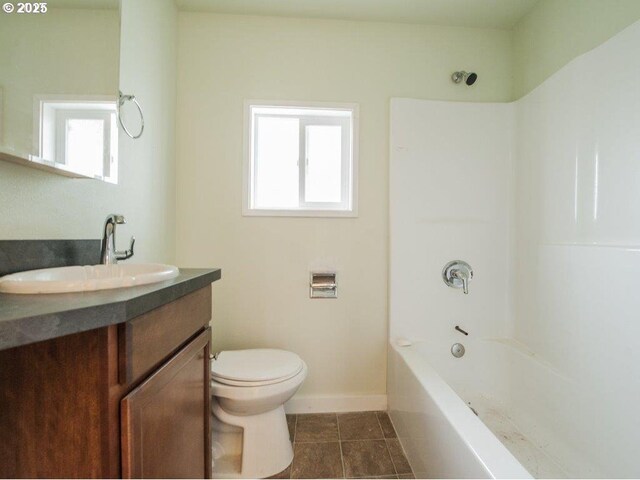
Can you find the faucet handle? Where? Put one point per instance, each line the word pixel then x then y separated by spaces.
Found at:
pixel 464 276
pixel 127 253
pixel 457 274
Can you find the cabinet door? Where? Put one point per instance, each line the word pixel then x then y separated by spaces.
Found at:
pixel 165 420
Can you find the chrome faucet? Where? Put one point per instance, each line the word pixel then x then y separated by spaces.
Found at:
pixel 457 274
pixel 464 276
pixel 108 253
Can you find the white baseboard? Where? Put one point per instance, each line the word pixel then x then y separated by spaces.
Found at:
pixel 335 403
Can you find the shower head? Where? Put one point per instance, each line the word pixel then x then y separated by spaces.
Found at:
pixel 468 77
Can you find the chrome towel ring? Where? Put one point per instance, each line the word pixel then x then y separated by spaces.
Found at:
pixel 132 98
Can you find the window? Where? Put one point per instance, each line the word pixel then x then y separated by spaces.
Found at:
pixel 300 160
pixel 79 135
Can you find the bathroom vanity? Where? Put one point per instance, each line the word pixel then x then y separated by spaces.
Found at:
pixel 113 383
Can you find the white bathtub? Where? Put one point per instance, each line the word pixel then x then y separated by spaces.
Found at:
pixel 430 395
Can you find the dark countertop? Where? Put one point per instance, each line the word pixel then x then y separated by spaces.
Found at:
pixel 27 319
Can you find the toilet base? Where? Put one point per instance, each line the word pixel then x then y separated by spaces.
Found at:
pixel 265 446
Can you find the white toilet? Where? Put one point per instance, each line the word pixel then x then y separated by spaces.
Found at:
pixel 249 389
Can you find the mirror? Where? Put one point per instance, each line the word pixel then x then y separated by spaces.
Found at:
pixel 59 87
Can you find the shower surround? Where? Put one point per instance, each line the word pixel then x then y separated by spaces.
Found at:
pixel 542 198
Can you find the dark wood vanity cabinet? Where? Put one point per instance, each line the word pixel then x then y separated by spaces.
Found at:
pixel 130 400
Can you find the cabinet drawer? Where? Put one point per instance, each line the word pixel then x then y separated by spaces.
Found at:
pixel 146 341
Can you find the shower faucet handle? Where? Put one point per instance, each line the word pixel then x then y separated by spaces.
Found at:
pixel 464 277
pixel 457 274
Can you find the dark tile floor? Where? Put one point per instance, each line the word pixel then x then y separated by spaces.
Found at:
pixel 345 445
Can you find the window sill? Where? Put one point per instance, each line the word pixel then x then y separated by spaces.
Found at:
pixel 301 213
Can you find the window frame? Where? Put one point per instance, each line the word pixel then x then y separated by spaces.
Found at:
pixel 47 113
pixel 349 187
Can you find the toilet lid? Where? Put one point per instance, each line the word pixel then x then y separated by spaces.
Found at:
pixel 255 367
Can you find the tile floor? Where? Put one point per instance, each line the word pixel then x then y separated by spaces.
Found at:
pixel 345 445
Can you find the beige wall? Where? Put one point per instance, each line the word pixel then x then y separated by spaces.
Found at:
pixel 263 297
pixel 556 31
pixel 36 204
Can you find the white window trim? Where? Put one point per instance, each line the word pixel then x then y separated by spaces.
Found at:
pixel 40 100
pixel 247 174
pixel 106 102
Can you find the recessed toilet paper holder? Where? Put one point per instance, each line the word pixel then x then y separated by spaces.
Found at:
pixel 323 285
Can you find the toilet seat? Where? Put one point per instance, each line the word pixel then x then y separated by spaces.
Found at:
pixel 255 367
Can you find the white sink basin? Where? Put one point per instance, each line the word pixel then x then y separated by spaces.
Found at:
pixel 88 278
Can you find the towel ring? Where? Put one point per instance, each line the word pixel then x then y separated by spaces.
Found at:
pixel 125 98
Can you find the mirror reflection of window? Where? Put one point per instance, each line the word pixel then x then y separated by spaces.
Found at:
pixel 79 135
